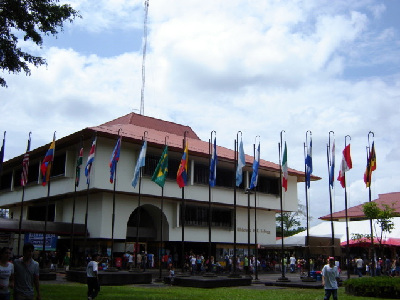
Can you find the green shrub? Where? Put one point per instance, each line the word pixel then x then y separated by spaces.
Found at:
pixel 379 286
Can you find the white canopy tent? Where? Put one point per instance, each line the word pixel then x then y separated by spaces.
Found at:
pixel 355 227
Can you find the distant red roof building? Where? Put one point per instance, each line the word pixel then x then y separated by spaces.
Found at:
pixel 356 212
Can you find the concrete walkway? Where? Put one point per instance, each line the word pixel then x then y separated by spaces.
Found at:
pixel 266 280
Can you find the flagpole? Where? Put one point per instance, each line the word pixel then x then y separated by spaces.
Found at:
pixel 183 211
pixel 74 201
pixel 113 213
pixel 347 221
pixel 369 200
pixel 47 199
pixel 161 232
pixel 280 150
pixel 162 221
pixel 23 192
pixel 87 193
pixel 307 182
pixel 234 198
pixel 331 180
pixel 209 201
pixel 2 155
pixel 86 216
pixel 137 248
pixel 255 210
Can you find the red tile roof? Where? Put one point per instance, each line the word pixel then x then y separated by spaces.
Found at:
pixel 157 124
pixel 133 127
pixel 356 212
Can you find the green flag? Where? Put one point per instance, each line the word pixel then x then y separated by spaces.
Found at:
pixel 162 169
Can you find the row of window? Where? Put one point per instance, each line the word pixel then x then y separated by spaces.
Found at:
pixel 225 177
pixel 194 216
pixel 57 169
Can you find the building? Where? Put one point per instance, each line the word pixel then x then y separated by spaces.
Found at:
pixel 133 127
pixel 356 212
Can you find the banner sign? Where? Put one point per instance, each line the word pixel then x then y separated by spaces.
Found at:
pixel 37 240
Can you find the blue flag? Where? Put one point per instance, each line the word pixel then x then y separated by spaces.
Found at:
pixel 141 161
pixel 241 164
pixel 308 162
pixel 256 164
pixel 114 159
pixel 213 165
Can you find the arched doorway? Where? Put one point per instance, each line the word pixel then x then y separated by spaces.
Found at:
pixel 144 225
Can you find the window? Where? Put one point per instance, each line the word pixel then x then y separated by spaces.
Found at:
pixel 225 177
pixel 58 168
pixel 198 216
pixel 6 181
pixel 268 185
pixel 151 165
pixel 38 213
pixel 201 174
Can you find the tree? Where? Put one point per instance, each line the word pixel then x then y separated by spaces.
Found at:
pixel 383 217
pixel 32 19
pixel 291 222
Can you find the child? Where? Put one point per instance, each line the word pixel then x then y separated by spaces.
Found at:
pixel 171 275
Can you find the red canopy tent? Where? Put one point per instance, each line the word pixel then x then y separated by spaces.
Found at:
pixel 366 242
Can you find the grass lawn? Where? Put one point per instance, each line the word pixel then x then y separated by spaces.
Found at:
pixel 75 291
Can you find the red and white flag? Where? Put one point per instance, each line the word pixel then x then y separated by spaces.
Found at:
pixel 345 165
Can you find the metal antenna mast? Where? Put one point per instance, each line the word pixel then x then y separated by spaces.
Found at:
pixel 146 10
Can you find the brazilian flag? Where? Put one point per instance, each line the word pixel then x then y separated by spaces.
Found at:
pixel 162 169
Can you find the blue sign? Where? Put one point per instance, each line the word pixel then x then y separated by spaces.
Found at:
pixel 36 239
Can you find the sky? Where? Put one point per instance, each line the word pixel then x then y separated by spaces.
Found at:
pixel 259 66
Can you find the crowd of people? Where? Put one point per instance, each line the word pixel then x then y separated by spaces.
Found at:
pixel 21 275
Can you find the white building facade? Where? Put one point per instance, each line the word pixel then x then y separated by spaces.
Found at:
pixel 100 193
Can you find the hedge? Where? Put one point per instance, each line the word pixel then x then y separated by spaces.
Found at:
pixel 378 286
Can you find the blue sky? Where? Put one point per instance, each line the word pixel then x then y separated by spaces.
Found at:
pixel 257 66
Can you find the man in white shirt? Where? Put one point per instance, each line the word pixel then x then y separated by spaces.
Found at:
pixel 359 265
pixel 292 261
pixel 92 277
pixel 330 274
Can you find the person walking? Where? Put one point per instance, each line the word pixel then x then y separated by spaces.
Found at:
pixel 26 275
pixel 92 274
pixel 6 274
pixel 359 265
pixel 292 261
pixel 330 275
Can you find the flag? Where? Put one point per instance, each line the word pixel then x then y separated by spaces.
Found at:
pixel 78 167
pixel 241 164
pixel 308 162
pixel 345 166
pixel 141 161
pixel 256 164
pixel 371 166
pixel 47 162
pixel 332 167
pixel 285 169
pixel 213 165
pixel 25 164
pixel 181 176
pixel 90 160
pixel 161 171
pixel 2 153
pixel 114 159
